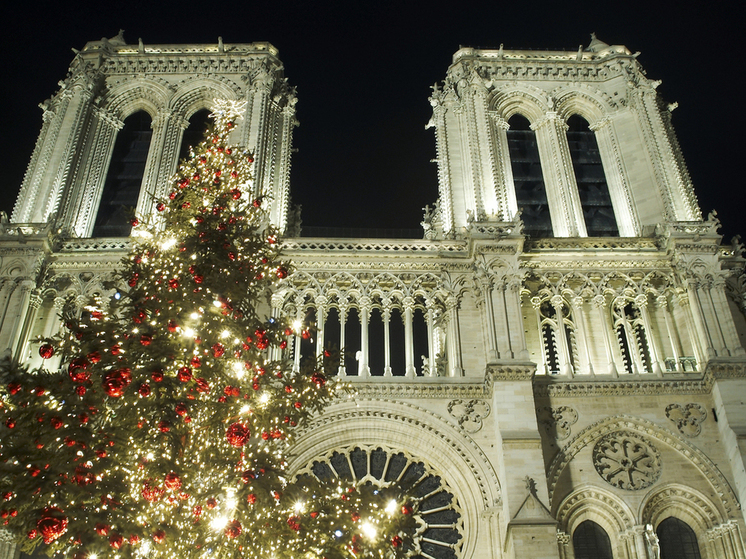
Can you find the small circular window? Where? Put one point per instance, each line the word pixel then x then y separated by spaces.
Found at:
pixel 438 517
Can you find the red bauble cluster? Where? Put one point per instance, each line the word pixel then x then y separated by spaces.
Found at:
pixel 52 524
pixel 237 434
pixel 151 493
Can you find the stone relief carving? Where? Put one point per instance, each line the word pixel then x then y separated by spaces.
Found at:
pixel 627 460
pixel 688 419
pixel 469 413
pixel 558 421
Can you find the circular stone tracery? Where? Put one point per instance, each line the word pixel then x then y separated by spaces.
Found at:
pixel 627 460
pixel 439 516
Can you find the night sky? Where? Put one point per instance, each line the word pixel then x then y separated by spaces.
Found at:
pixel 363 73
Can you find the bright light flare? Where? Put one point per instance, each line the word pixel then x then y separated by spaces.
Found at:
pixel 368 530
pixel 391 507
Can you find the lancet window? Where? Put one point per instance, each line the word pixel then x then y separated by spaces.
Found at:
pixel 124 178
pixel 590 541
pixel 598 211
pixel 195 132
pixel 530 190
pixel 632 337
pixel 557 335
pixel 677 540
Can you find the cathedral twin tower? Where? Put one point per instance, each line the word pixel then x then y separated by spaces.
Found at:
pixel 562 348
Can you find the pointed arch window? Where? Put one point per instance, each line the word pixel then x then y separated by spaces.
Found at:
pixel 598 211
pixel 590 541
pixel 195 132
pixel 124 179
pixel 530 191
pixel 677 540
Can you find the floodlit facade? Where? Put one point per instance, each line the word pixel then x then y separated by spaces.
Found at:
pixel 564 349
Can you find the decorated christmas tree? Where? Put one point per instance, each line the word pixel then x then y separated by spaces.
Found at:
pixel 166 431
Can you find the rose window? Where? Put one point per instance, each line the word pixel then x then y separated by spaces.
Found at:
pixel 627 460
pixel 438 519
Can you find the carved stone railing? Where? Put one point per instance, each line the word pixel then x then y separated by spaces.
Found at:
pixel 96 245
pixel 585 243
pixel 368 246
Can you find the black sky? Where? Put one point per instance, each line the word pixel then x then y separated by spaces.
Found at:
pixel 363 73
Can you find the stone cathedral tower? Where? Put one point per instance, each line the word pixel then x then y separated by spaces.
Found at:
pixel 564 348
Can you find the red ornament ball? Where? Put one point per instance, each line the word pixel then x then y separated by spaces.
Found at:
pixel 52 524
pixel 172 481
pixel 81 390
pixel 94 357
pixel 116 541
pixel 396 541
pixel 406 509
pixel 237 434
pixel 102 529
pixel 46 351
pixel 282 272
pixel 318 379
pixel 160 206
pixel 251 498
pixel 233 530
pixel 164 426
pixel 157 376
pixel 115 382
pixel 159 536
pixel 173 283
pixel 211 503
pixel 185 374
pixel 144 390
pixel 77 370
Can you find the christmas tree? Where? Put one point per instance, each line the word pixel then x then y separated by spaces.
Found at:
pixel 167 430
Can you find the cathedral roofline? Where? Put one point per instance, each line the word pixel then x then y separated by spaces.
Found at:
pixel 117 45
pixel 595 51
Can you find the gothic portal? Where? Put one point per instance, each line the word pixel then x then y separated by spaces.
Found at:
pixel 563 350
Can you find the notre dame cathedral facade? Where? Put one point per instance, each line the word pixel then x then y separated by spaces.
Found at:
pixel 563 348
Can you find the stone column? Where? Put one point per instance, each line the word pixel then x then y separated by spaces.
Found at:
pixel 700 320
pixel 642 303
pixel 386 316
pixel 692 330
pixel 543 369
pixel 431 369
pixel 616 177
pixel 344 306
pixel 662 302
pixel 599 301
pixel 321 309
pixel 725 321
pixel 576 303
pixel 514 316
pixel 564 542
pixel 26 312
pixel 454 337
pixel 563 349
pixel 556 165
pixel 410 371
pixel 363 367
pixel 503 168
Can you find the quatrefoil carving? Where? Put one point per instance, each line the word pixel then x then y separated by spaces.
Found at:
pixel 688 419
pixel 469 413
